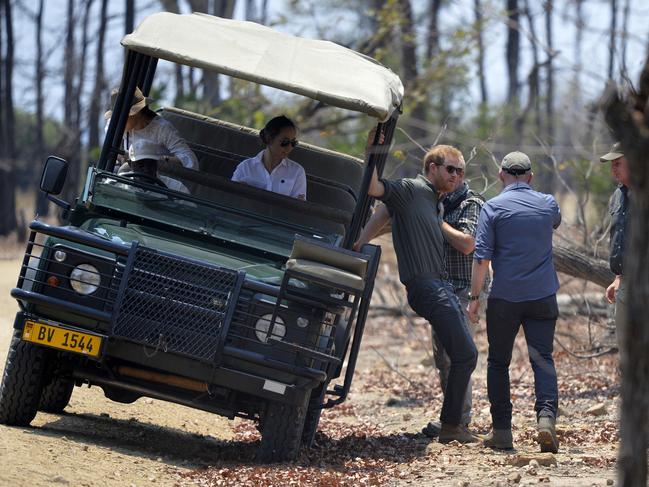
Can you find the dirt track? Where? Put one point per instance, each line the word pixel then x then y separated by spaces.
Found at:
pixel 371 439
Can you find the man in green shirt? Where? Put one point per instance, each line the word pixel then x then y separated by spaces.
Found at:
pixel 419 244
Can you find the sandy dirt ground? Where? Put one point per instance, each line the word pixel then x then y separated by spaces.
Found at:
pixel 373 439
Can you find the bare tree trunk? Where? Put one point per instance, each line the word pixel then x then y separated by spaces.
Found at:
pixel 479 27
pixel 129 16
pixel 625 36
pixel 417 117
pixel 97 98
pixel 78 108
pixel 548 179
pixel 575 262
pixel 263 16
pixel 629 122
pixel 172 6
pixel 432 40
pixel 8 221
pixel 513 51
pixel 612 39
pixel 533 80
pixel 42 204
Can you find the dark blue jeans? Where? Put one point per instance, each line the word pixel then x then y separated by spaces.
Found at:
pixel 538 318
pixel 435 300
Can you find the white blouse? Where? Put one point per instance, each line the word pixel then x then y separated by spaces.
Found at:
pixel 287 178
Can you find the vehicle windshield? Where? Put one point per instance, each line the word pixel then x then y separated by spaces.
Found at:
pixel 152 202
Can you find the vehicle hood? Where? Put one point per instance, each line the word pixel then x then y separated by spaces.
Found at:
pixel 262 266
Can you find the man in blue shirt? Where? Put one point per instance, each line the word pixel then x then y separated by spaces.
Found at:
pixel 515 236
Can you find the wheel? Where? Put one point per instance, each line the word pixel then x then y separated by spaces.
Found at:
pixel 282 432
pixel 22 382
pixel 146 177
pixel 313 413
pixel 56 395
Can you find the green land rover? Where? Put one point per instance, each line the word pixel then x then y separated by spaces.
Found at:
pixel 226 298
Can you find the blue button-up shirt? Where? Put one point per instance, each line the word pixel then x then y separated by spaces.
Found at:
pixel 515 233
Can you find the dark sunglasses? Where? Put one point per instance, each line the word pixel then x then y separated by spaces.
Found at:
pixel 287 142
pixel 453 169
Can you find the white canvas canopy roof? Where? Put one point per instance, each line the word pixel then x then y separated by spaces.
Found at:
pixel 318 69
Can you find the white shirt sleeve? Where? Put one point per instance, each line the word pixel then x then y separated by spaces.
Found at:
pixel 299 188
pixel 176 145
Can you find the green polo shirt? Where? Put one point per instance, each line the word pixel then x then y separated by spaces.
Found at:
pixel 416 231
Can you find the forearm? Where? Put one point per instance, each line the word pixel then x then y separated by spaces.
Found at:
pixel 375 224
pixel 460 241
pixel 478 275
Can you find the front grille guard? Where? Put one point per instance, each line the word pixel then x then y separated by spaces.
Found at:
pixel 210 318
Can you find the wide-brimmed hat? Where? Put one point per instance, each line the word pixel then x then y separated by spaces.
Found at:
pixel 138 103
pixel 516 163
pixel 614 153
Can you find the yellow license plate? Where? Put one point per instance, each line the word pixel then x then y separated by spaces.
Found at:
pixel 56 337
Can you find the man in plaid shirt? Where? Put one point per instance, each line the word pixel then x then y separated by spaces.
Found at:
pixel 461 209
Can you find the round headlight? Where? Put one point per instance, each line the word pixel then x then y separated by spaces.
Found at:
pixel 85 279
pixel 302 322
pixel 263 324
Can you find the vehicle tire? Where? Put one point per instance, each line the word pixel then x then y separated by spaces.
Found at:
pixel 282 432
pixel 56 395
pixel 312 419
pixel 22 382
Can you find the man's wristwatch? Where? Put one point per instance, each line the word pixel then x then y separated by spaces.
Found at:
pixel 473 298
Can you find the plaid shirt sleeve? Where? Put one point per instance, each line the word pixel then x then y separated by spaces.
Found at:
pixel 468 221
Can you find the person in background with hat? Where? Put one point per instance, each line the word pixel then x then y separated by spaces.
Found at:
pixel 619 210
pixel 515 235
pixel 144 126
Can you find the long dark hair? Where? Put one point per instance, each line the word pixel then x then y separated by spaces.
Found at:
pixel 274 127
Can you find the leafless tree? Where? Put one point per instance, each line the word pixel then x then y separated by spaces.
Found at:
pixel 512 51
pixel 612 39
pixel 172 6
pixel 99 89
pixel 129 16
pixel 8 221
pixel 42 205
pixel 628 118
pixel 479 28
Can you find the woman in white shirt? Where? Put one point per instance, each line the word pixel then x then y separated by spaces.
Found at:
pixel 144 126
pixel 271 169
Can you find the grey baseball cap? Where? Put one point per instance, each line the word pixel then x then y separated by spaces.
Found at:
pixel 614 153
pixel 516 163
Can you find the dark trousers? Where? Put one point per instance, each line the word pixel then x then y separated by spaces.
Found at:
pixel 435 300
pixel 538 318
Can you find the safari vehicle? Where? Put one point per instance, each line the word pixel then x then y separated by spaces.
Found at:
pixel 229 299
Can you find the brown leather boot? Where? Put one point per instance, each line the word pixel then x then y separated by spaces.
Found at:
pixel 547 437
pixel 459 433
pixel 500 440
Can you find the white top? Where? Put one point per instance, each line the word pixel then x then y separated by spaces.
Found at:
pixel 161 134
pixel 253 52
pixel 287 178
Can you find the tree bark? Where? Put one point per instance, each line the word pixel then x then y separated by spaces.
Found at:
pixel 99 89
pixel 432 40
pixel 129 16
pixel 612 39
pixel 42 204
pixel 575 262
pixel 8 221
pixel 547 180
pixel 410 71
pixel 172 6
pixel 479 27
pixel 628 119
pixel 512 51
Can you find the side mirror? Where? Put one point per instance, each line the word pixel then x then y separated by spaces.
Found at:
pixel 54 173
